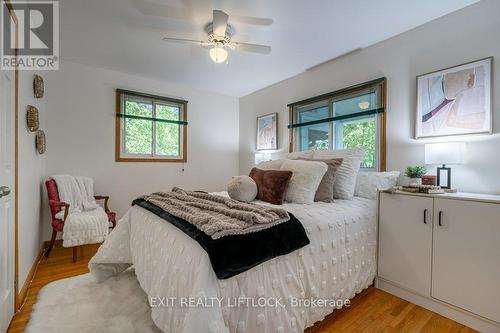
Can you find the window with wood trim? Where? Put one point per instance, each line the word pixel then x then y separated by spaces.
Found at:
pixel 150 128
pixel 347 118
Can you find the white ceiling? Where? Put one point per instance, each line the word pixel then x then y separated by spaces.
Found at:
pixel 115 34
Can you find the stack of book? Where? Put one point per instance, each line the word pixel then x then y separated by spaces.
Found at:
pixel 429 189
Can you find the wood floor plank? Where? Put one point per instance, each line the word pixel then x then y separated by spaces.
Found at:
pixel 373 311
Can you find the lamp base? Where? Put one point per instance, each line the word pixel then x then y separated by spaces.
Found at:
pixel 444 177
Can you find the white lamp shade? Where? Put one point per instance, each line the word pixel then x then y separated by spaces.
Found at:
pixel 218 54
pixel 445 153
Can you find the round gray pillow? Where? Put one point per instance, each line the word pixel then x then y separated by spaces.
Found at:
pixel 242 188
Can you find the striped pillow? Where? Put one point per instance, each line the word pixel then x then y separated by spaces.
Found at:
pixel 345 181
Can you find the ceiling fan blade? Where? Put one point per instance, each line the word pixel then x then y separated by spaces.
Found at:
pixel 183 40
pixel 220 22
pixel 252 20
pixel 255 48
pixel 160 10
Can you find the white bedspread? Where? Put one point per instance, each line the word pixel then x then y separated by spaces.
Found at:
pixel 339 262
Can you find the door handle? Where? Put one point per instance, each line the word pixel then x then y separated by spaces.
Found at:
pixel 425 216
pixel 4 190
pixel 440 218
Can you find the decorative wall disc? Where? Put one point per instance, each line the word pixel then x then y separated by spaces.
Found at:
pixel 32 118
pixel 38 86
pixel 40 141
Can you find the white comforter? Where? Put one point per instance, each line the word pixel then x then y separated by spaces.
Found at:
pixel 339 262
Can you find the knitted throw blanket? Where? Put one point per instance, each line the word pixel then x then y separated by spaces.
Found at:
pixel 215 215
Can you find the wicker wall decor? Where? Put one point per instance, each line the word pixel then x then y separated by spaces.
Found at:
pixel 38 86
pixel 32 118
pixel 40 142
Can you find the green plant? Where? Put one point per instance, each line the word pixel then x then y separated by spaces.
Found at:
pixel 415 171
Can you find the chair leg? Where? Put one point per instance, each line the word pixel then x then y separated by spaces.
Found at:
pixel 75 248
pixel 52 242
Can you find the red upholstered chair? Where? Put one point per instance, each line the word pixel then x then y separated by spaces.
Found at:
pixel 56 206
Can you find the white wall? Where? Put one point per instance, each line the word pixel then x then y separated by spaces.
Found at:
pixel 469 34
pixel 81 136
pixel 30 170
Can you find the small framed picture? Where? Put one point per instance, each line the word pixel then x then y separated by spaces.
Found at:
pixel 455 101
pixel 267 132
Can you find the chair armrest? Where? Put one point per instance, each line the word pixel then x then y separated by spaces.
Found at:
pixel 105 198
pixel 55 203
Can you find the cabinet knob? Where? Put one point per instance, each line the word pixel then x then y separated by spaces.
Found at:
pixel 425 216
pixel 440 218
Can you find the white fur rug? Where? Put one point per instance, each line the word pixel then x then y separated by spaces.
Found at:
pixel 81 305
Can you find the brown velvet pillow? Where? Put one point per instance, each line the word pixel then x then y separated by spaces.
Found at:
pixel 325 189
pixel 271 184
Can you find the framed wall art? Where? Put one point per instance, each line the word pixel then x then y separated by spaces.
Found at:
pixel 267 132
pixel 455 101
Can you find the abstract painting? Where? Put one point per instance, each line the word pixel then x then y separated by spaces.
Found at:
pixel 455 101
pixel 267 132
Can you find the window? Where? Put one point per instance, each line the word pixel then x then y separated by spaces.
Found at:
pixel 348 118
pixel 150 128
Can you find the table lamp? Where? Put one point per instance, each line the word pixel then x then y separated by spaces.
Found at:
pixel 443 154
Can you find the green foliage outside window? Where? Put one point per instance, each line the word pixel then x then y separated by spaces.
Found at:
pixel 139 132
pixel 361 134
pixel 167 135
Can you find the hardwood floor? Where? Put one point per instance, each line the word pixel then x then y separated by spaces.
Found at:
pixel 372 311
pixel 58 266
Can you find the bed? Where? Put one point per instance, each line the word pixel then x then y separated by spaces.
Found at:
pixel 275 296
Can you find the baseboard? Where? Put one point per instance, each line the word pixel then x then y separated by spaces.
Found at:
pixel 24 290
pixel 449 311
pixel 57 243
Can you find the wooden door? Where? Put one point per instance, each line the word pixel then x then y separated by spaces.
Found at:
pixel 8 105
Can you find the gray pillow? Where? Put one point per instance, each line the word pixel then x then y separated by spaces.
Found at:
pixel 242 188
pixel 325 189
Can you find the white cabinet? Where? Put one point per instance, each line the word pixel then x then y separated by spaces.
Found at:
pixel 466 256
pixel 405 241
pixel 450 261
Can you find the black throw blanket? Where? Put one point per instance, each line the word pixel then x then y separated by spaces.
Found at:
pixel 234 254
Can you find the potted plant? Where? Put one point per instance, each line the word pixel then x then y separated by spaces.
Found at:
pixel 415 173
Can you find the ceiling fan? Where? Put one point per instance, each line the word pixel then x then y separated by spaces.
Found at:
pixel 219 39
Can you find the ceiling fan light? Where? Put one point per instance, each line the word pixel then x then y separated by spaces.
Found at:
pixel 363 105
pixel 218 54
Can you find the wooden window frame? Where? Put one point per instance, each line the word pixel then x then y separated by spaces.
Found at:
pixel 381 117
pixel 118 128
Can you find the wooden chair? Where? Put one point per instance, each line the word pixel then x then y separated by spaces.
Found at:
pixel 56 206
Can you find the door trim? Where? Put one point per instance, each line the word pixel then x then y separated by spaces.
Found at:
pixel 8 4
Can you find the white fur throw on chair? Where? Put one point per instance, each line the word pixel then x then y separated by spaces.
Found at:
pixel 87 222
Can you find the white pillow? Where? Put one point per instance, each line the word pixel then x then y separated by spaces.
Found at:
pixel 344 185
pixel 305 179
pixel 300 154
pixel 270 165
pixel 242 188
pixel 368 183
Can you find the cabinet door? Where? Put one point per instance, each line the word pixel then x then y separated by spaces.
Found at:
pixel 405 241
pixel 466 257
